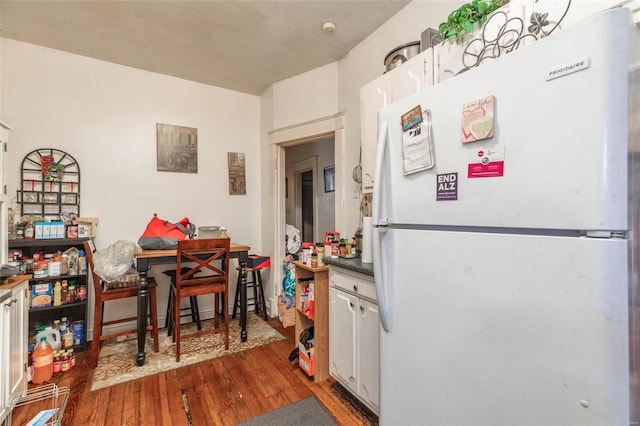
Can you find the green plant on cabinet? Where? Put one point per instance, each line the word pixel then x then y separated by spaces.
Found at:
pixel 467 18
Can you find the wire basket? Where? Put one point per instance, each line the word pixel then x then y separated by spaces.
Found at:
pixel 48 397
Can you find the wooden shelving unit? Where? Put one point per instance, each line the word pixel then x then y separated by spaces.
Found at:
pixel 320 321
pixel 74 311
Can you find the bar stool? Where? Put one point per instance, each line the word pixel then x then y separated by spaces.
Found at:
pixel 258 300
pixel 192 309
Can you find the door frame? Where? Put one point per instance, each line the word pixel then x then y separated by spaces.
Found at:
pixel 282 138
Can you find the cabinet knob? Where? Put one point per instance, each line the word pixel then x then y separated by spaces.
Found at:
pixel 361 308
pixel 11 302
pixel 351 304
pixel 355 288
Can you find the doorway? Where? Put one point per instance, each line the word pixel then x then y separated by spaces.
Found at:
pixel 282 141
pixel 308 207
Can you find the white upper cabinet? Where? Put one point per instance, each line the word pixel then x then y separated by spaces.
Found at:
pixel 406 79
pixel 373 96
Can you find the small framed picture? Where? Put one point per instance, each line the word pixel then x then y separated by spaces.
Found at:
pixel 50 198
pixel 329 179
pixel 69 198
pixel 177 148
pixel 30 197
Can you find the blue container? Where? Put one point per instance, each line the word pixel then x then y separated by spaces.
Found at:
pixel 77 328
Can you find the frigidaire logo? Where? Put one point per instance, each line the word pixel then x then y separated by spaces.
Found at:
pixel 572 67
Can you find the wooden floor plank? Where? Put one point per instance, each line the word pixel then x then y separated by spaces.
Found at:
pixel 223 391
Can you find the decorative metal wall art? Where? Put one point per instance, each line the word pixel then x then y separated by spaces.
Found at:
pixel 502 34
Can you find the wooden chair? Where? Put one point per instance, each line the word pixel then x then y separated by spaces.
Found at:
pixel 192 309
pixel 103 295
pixel 210 256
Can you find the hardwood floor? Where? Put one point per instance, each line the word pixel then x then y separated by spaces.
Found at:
pixel 224 391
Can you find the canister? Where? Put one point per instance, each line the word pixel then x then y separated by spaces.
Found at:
pixel 55 268
pixel 77 328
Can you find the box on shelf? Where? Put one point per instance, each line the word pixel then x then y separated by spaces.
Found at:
pixel 306 359
pixel 49 230
pixel 87 226
pixel 307 302
pixel 258 262
pixel 41 295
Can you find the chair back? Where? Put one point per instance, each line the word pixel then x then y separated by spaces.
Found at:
pixel 210 256
pixel 90 248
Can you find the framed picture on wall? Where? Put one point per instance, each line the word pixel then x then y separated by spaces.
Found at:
pixel 329 179
pixel 237 173
pixel 177 148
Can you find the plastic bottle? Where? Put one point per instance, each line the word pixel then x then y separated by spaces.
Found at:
pixel 52 335
pixel 67 339
pixel 30 230
pixel 57 294
pixel 320 251
pixel 82 262
pixel 42 362
pixel 30 364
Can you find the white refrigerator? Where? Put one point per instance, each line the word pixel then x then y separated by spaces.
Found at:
pixel 506 224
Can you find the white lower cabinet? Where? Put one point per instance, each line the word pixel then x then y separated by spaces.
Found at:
pixel 13 338
pixel 353 335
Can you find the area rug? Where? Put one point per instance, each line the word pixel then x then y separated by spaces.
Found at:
pixel 307 412
pixel 116 363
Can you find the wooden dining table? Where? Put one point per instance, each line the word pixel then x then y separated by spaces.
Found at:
pixel 147 258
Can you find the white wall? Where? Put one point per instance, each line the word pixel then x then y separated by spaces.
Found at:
pixel 105 115
pixel 296 101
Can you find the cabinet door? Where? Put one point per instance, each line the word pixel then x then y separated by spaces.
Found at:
pixel 369 368
pixel 5 327
pixel 4 197
pixel 18 336
pixel 342 337
pixel 411 77
pixel 373 96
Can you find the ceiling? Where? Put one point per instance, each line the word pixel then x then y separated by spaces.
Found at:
pixel 238 45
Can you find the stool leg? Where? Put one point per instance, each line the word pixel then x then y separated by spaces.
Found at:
pixel 236 300
pixel 256 307
pixel 261 292
pixel 195 313
pixel 168 323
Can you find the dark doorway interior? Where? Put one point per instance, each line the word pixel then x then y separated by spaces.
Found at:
pixel 307 205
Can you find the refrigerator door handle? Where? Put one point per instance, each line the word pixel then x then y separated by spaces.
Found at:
pixel 383 136
pixel 382 289
pixel 379 231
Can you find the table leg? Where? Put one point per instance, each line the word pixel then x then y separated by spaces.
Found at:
pixel 243 301
pixel 143 305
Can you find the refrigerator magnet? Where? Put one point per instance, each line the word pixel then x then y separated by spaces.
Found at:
pixel 477 119
pixel 411 118
pixel 486 163
pixel 447 187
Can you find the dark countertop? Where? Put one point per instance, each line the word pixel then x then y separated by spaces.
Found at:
pixel 354 264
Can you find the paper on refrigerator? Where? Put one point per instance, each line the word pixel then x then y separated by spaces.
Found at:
pixel 417 146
